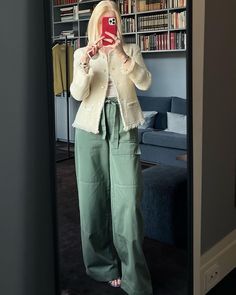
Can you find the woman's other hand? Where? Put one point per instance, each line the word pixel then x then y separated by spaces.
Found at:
pixel 94 47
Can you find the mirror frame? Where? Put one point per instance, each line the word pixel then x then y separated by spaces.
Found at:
pixel 189 95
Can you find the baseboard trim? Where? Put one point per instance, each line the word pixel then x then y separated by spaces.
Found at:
pixel 223 254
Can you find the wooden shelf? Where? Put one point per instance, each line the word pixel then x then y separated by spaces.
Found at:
pixel 152 11
pixel 66 21
pixel 68 38
pixel 64 5
pixel 167 50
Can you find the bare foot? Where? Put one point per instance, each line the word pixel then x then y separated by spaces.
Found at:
pixel 115 283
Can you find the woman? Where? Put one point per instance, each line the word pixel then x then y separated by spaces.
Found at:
pixel 107 156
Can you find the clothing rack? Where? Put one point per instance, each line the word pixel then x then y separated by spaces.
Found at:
pixel 69 156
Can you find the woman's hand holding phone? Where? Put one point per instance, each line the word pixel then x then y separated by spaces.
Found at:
pixel 115 44
pixel 91 50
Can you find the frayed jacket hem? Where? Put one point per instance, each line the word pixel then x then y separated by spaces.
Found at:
pixel 126 128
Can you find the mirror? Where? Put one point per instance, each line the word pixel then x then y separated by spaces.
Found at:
pixel 121 113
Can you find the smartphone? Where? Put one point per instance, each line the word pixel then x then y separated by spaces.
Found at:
pixel 90 54
pixel 109 24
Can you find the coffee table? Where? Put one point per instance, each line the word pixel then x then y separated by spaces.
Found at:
pixel 182 157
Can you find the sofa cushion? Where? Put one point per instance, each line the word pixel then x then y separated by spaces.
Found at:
pixel 164 139
pixel 141 131
pixel 161 121
pixel 178 105
pixel 160 104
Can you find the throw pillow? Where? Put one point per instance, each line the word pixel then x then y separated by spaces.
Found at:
pixel 176 123
pixel 149 117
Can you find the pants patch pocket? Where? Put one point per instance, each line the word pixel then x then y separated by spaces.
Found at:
pixel 127 148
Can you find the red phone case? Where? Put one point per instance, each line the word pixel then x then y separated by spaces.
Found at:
pixel 89 53
pixel 109 25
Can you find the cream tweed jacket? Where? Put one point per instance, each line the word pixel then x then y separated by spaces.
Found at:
pixel 90 88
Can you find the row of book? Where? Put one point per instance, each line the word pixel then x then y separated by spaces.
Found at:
pixel 178 20
pixel 63 2
pixel 127 6
pixel 69 13
pixel 177 3
pixel 84 13
pixel 68 33
pixel 153 42
pixel 153 22
pixel 145 5
pixel 177 40
pixel 128 25
pixel 72 13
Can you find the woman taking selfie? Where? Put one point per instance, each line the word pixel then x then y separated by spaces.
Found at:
pixel 107 153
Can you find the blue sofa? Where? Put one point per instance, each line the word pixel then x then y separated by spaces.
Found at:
pixel 158 146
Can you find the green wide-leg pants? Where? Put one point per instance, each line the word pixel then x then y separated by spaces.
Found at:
pixel 109 181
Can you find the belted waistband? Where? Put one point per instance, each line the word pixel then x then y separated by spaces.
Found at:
pixel 111 99
pixel 115 121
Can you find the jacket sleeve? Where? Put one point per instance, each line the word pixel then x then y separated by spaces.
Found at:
pixel 137 71
pixel 80 86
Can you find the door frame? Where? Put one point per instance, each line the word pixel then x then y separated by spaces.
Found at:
pixel 194 91
pixel 197 59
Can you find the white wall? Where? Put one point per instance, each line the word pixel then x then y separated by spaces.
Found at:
pixel 168 74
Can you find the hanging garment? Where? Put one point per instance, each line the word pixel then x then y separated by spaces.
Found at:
pixel 59 67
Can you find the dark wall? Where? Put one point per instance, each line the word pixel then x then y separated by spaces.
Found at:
pixel 26 190
pixel 219 123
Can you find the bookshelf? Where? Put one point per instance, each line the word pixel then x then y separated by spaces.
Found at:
pixel 156 25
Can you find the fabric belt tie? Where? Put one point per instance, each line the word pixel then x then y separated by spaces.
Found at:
pixel 115 121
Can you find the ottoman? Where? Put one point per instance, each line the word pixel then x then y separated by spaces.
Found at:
pixel 164 204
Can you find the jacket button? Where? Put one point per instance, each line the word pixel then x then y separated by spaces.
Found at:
pixel 104 71
pixel 113 68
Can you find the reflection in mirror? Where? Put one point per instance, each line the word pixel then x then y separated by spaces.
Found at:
pixel 119 78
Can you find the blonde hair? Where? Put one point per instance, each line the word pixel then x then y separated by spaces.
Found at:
pixel 102 7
